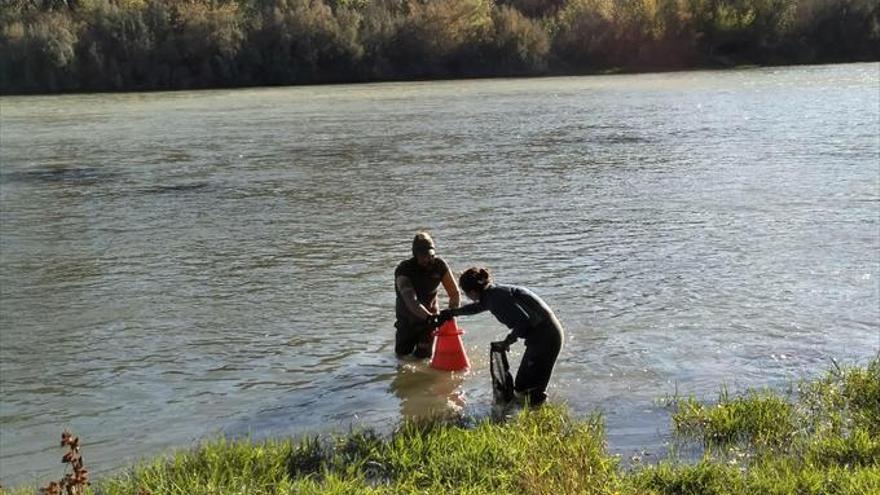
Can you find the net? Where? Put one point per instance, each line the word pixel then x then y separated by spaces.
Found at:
pixel 499 368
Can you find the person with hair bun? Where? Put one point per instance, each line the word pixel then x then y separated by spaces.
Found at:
pixel 528 318
pixel 416 281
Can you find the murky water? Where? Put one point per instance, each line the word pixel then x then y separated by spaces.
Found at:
pixel 176 266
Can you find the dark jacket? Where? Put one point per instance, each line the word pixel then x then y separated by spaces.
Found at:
pixel 425 281
pixel 517 308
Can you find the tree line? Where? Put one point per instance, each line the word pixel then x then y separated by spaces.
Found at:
pixel 96 45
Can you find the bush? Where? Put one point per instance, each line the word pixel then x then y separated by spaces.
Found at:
pixel 518 45
pixel 59 45
pixel 303 41
pixel 438 36
pixel 585 35
pixel 38 53
pixel 207 38
pixel 116 46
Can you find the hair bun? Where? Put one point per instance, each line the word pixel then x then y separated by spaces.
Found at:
pixel 475 278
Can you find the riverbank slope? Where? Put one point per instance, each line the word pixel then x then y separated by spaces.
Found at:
pixel 823 437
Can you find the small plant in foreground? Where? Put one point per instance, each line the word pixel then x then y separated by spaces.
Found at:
pixel 75 482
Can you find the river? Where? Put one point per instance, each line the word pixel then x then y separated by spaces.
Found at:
pixel 179 266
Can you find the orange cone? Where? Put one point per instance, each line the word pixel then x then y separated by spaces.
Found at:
pixel 449 352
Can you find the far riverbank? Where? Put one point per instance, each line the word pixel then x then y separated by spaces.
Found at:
pixel 148 45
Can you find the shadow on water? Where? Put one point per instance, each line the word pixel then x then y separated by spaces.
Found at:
pixel 426 392
pixel 88 176
pixel 61 175
pixel 177 188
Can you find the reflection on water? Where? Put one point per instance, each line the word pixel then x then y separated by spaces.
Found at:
pixel 175 266
pixel 426 392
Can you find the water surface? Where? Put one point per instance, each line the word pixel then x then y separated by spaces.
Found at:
pixel 176 266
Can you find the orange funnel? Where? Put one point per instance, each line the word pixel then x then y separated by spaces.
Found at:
pixel 449 352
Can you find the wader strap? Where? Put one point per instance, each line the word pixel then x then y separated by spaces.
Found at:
pixel 537 315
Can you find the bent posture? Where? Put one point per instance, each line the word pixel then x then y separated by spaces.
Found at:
pixel 528 318
pixel 416 281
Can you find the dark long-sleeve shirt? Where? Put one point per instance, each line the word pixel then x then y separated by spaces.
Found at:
pixel 515 307
pixel 425 282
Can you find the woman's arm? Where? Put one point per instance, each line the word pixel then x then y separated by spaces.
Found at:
pixel 468 309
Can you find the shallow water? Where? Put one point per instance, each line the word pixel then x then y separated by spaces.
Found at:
pixel 175 266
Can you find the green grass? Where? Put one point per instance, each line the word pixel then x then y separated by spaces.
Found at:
pixel 760 418
pixel 822 438
pixel 420 457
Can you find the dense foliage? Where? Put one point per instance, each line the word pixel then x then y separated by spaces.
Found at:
pixel 85 45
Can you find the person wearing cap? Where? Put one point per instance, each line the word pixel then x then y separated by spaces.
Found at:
pixel 416 282
pixel 528 318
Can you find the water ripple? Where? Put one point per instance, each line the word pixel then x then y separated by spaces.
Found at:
pixel 225 266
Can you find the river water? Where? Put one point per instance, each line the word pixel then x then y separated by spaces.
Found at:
pixel 180 266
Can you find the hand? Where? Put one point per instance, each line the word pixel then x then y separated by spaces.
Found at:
pixel 433 321
pixel 445 315
pixel 500 346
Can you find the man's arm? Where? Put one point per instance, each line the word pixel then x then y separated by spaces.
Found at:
pixel 408 293
pixel 451 289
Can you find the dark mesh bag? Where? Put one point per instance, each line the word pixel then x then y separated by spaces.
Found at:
pixel 502 381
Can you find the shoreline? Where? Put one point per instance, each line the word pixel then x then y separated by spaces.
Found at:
pixel 820 437
pixel 449 79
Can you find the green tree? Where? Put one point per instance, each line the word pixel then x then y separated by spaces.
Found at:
pixel 517 45
pixel 439 36
pixel 38 53
pixel 303 41
pixel 208 38
pixel 585 34
pixel 115 46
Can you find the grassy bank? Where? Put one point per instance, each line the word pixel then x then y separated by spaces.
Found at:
pixel 823 438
